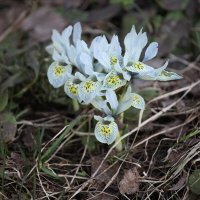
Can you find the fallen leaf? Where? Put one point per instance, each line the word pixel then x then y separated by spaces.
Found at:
pixel 40 23
pixel 102 177
pixel 129 183
pixel 8 127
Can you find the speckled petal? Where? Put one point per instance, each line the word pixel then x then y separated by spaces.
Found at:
pixel 139 67
pixel 168 76
pixel 138 101
pixel 106 133
pixel 113 81
pixel 88 90
pixel 71 89
pixel 58 74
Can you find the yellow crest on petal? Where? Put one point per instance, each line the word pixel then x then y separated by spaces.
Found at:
pixel 59 70
pixel 106 133
pixel 113 81
pixel 113 60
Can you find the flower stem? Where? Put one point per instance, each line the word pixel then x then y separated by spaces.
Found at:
pixel 119 146
pixel 75 104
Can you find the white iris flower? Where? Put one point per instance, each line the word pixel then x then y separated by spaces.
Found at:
pixel 97 74
pixel 106 129
pixel 134 44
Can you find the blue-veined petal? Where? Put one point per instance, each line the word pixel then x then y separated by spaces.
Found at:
pixel 139 67
pixel 77 32
pixel 56 37
pixel 58 74
pixel 71 89
pixel 115 47
pixel 125 102
pixel 65 35
pixel 168 76
pixel 86 62
pixel 152 74
pixel 101 104
pixel 112 99
pixel 134 44
pixel 138 101
pixel 80 76
pixel 126 75
pixel 88 90
pixel 60 57
pixel 151 51
pixel 99 76
pixel 103 59
pixel 50 49
pixel 130 39
pixel 106 132
pixel 113 81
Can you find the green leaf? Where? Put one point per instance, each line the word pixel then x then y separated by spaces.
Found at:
pixel 50 172
pixel 3 99
pixel 149 93
pixel 194 182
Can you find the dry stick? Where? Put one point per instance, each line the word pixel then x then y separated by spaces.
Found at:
pixel 154 117
pixel 170 94
pixel 84 152
pixel 42 184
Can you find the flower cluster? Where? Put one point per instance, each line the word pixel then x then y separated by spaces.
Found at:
pixel 100 74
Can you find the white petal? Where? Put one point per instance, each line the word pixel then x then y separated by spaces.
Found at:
pixel 138 101
pixel 86 63
pixel 139 67
pixel 98 118
pixel 103 59
pixel 126 101
pixel 151 51
pixel 56 37
pixel 58 74
pixel 50 49
pixel 99 76
pixel 101 105
pixel 106 133
pixel 80 76
pixel 71 89
pixel 168 76
pixel 113 81
pixel 138 46
pixel 129 39
pixel 65 36
pixel 60 57
pixel 112 99
pixel 77 32
pixel 88 90
pixel 115 48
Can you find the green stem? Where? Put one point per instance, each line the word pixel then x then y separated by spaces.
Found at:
pixel 76 106
pixel 119 146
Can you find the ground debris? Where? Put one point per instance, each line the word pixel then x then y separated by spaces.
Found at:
pixel 130 182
